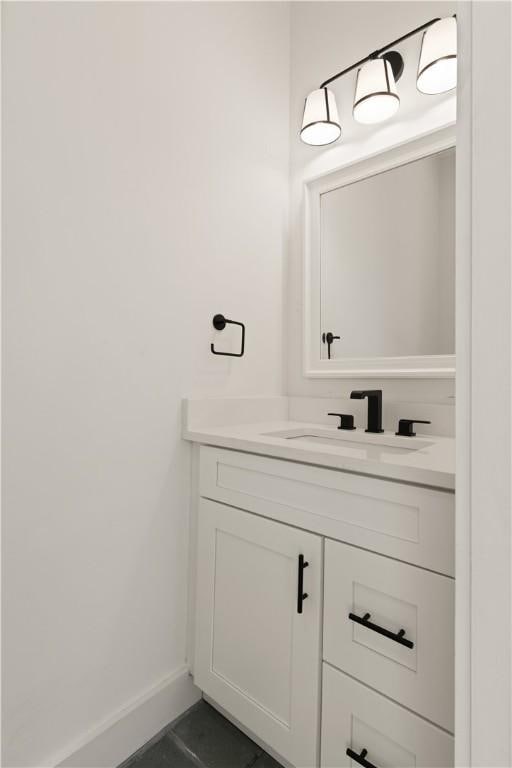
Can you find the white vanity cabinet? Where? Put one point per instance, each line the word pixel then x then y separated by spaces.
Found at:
pixel 376 625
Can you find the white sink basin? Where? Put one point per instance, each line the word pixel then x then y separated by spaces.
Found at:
pixel 343 439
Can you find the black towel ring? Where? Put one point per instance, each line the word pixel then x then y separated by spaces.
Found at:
pixel 220 322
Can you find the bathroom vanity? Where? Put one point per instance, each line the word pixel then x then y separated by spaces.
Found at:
pixel 323 588
pixel 323 554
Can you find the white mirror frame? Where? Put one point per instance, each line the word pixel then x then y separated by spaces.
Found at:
pixel 423 367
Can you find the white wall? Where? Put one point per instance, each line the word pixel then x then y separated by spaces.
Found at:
pixel 145 183
pixel 326 37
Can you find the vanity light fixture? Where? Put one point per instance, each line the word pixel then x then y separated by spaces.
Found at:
pixel 376 97
pixel 320 122
pixel 437 70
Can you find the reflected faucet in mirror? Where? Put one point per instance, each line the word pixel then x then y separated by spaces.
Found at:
pixel 328 338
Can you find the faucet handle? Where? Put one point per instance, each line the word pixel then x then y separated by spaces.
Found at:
pixel 346 420
pixel 405 427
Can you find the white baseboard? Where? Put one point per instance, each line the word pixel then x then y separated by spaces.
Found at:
pixel 126 730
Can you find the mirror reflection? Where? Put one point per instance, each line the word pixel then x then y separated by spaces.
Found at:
pixel 388 262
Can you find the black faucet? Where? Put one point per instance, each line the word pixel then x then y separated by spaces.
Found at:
pixel 374 407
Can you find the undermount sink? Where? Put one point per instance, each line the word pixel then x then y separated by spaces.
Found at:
pixel 343 439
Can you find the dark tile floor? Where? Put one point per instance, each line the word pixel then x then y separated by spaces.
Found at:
pixel 201 738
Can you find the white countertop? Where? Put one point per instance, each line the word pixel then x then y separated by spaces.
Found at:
pixel 354 451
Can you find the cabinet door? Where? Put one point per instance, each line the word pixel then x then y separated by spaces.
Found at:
pixel 355 718
pixel 256 654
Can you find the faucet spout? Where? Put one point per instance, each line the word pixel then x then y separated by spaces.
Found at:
pixel 374 407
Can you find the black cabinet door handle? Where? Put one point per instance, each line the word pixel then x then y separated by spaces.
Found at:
pixel 398 637
pixel 361 759
pixel 301 595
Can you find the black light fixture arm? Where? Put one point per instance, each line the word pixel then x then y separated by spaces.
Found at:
pixel 379 52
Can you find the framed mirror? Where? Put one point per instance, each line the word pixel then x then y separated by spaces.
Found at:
pixel 379 273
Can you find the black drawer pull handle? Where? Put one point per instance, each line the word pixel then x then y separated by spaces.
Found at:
pixel 398 637
pixel 301 595
pixel 361 759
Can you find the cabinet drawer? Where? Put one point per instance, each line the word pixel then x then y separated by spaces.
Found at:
pixel 405 522
pixel 356 718
pixel 398 597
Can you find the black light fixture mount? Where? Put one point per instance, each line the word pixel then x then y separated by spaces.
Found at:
pixel 396 61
